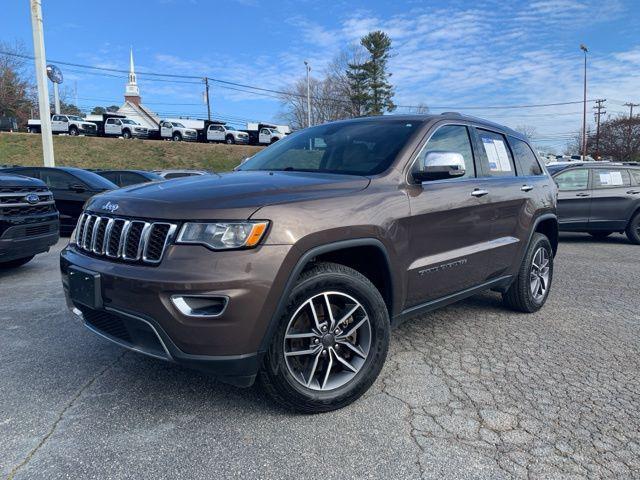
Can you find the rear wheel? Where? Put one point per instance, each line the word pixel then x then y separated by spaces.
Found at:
pixel 331 342
pixel 600 234
pixel 530 290
pixel 633 229
pixel 17 262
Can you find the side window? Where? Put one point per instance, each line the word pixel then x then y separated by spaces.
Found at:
pixel 110 121
pixel 117 122
pixel 129 178
pixel 166 125
pixel 497 158
pixel 264 131
pixel 525 158
pixel 606 178
pixel 111 176
pixel 573 180
pixel 451 138
pixel 169 176
pixel 58 180
pixel 635 175
pixel 55 118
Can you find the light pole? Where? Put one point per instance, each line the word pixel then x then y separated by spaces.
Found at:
pixel 41 77
pixel 584 114
pixel 306 64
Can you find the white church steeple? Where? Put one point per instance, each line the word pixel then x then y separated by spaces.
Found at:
pixel 132 92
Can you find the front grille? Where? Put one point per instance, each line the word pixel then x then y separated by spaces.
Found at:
pixel 123 239
pixel 36 230
pixel 13 201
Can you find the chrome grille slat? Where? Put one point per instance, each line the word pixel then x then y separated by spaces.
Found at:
pixel 122 239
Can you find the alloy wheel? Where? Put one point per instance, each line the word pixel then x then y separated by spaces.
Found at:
pixel 327 341
pixel 539 276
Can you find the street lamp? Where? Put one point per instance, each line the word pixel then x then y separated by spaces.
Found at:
pixel 306 64
pixel 584 113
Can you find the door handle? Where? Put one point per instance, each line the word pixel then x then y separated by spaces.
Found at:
pixel 527 188
pixel 479 193
pixel 633 192
pixel 583 194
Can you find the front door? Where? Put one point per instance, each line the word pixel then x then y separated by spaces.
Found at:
pixel 166 130
pixel 574 199
pixel 612 199
pixel 216 133
pixel 57 125
pixel 449 227
pixel 265 136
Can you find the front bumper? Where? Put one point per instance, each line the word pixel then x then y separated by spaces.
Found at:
pixel 21 241
pixel 139 297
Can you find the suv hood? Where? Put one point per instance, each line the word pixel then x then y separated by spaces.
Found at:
pixel 222 197
pixel 17 180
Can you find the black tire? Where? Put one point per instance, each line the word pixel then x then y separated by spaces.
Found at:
pixel 275 375
pixel 176 137
pixel 230 140
pixel 633 229
pixel 18 262
pixel 126 134
pixel 73 131
pixel 520 297
pixel 600 234
pixel 274 140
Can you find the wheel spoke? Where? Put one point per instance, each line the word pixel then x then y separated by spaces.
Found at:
pixel 350 332
pixel 297 353
pixel 291 336
pixel 535 286
pixel 328 372
pixel 313 368
pixel 314 313
pixel 332 323
pixel 348 314
pixel 343 361
pixel 357 350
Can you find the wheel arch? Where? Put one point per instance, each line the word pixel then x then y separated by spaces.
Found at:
pixel 547 224
pixel 339 252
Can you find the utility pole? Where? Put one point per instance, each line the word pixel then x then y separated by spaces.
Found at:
pixel 206 90
pixel 631 105
pixel 584 112
pixel 306 64
pixel 599 108
pixel 41 77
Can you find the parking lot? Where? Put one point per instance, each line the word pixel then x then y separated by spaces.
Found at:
pixel 470 391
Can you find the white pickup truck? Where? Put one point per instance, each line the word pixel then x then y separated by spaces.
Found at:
pixel 177 132
pixel 115 125
pixel 70 124
pixel 227 134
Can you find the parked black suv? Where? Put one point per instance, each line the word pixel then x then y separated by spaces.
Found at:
pixel 599 198
pixel 294 268
pixel 28 219
pixel 71 188
pixel 126 178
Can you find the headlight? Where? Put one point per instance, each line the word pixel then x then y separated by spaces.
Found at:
pixel 223 235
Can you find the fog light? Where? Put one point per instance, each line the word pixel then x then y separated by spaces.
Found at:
pixel 200 305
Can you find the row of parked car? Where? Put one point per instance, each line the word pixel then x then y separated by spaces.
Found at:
pixel 117 125
pixel 37 204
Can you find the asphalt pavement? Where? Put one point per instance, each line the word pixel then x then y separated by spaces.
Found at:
pixel 469 391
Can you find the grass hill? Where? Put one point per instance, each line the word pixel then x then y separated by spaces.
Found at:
pixel 94 152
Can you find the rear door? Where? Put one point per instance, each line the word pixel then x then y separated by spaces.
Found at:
pixel 574 199
pixel 513 199
pixel 449 227
pixel 612 200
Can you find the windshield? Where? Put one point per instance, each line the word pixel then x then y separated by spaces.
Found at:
pixel 177 125
pixel 75 118
pixel 357 147
pixel 94 180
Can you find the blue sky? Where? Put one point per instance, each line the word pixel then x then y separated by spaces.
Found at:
pixel 446 54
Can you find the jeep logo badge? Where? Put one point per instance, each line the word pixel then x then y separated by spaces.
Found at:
pixel 32 198
pixel 110 207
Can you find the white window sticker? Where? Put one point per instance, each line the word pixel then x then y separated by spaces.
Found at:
pixel 616 178
pixel 497 154
pixel 611 179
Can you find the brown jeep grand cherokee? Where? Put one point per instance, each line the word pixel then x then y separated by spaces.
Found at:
pixel 294 268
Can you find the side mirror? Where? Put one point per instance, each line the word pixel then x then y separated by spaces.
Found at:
pixel 438 165
pixel 78 188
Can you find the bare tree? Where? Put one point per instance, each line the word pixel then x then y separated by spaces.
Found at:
pixel 528 131
pixel 325 103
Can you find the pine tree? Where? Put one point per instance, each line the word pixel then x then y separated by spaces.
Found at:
pixel 358 89
pixel 379 91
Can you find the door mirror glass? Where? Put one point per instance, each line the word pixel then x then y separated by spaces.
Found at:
pixel 439 165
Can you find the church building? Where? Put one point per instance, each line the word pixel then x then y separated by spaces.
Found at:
pixel 133 107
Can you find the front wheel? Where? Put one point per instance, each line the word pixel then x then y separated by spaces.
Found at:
pixel 230 140
pixel 633 229
pixel 73 131
pixel 331 342
pixel 530 290
pixel 18 262
pixel 176 137
pixel 126 134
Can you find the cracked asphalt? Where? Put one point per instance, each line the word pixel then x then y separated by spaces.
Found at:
pixel 470 391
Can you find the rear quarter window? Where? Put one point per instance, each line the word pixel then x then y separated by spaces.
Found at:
pixel 635 176
pixel 497 160
pixel 526 160
pixel 610 178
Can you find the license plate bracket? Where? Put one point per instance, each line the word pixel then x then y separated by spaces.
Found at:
pixel 85 287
